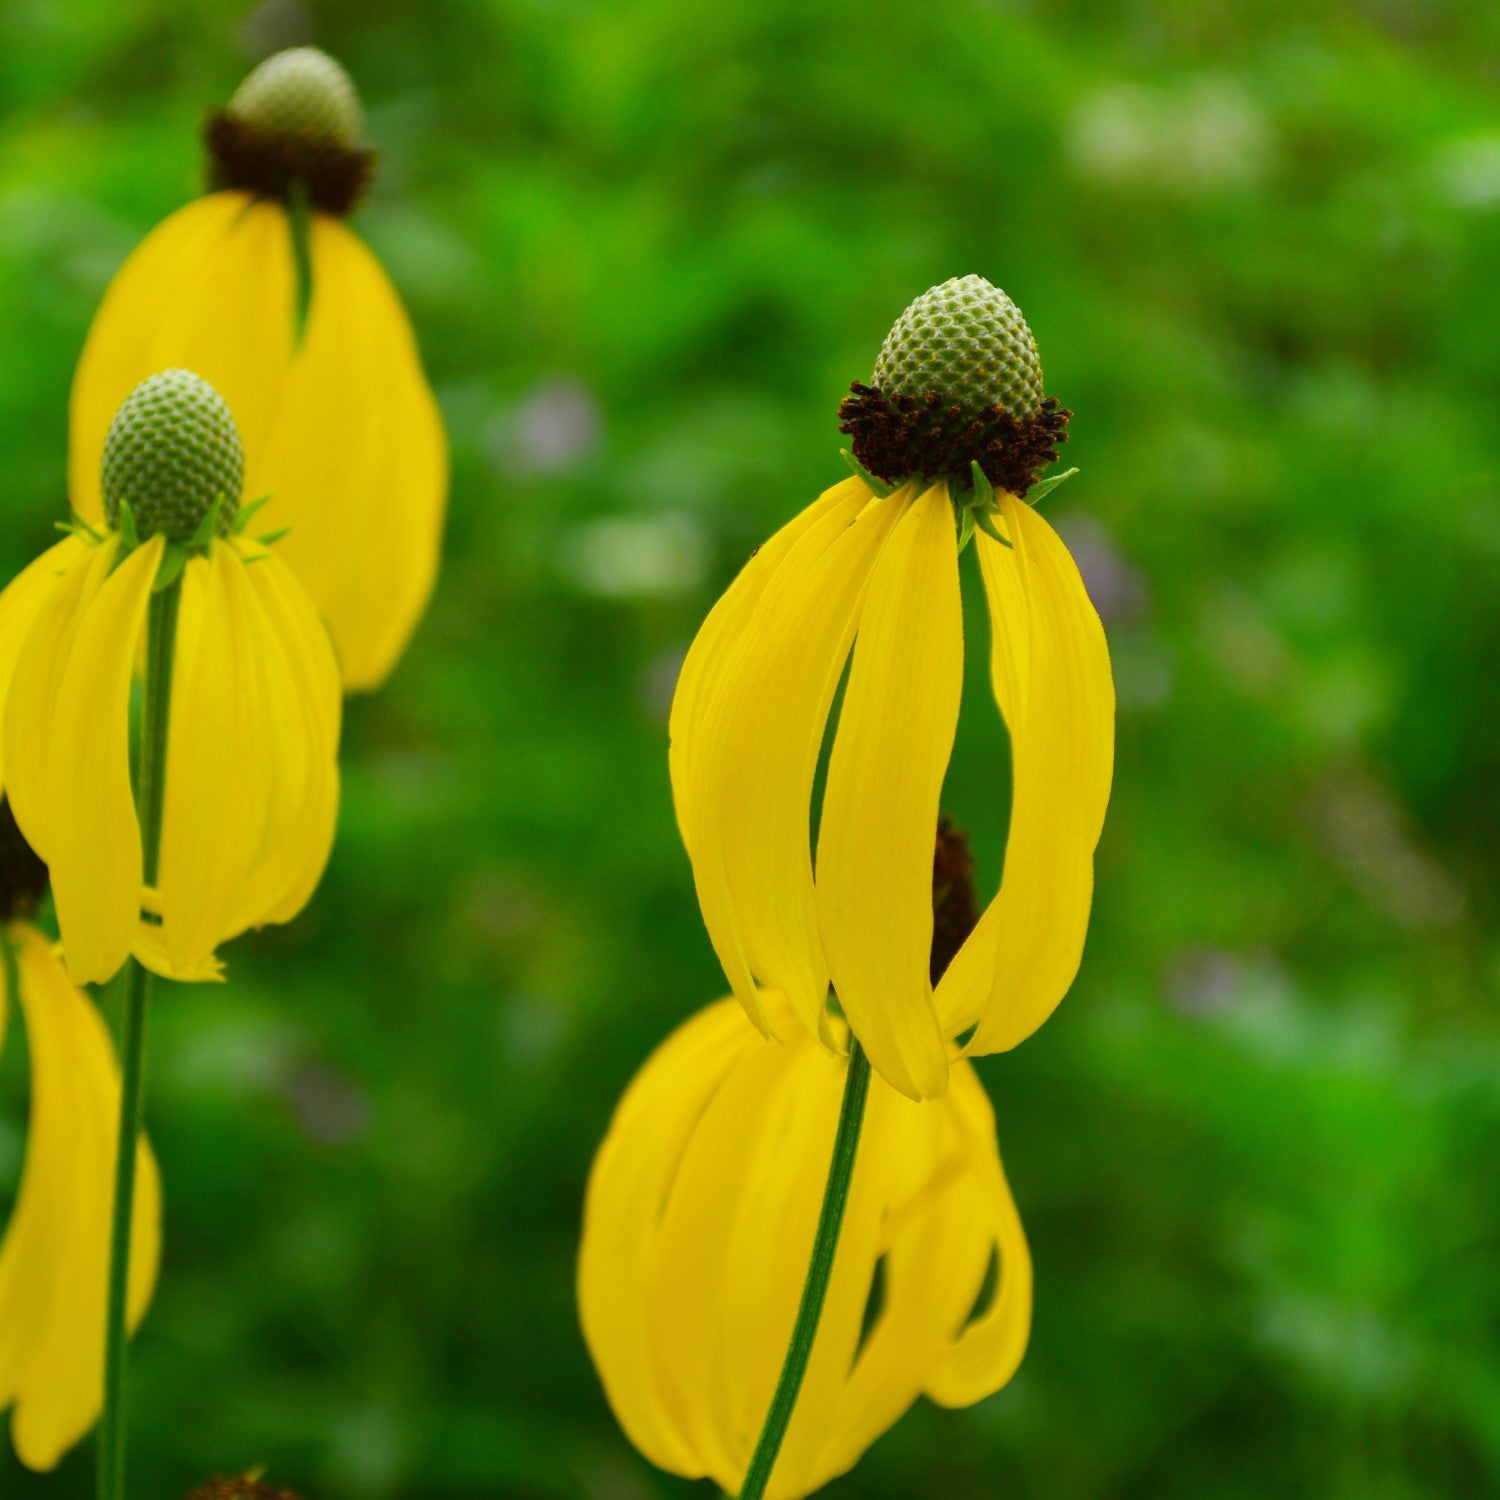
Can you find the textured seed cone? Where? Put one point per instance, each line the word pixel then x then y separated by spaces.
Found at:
pixel 967 341
pixel 170 453
pixel 958 381
pixel 294 123
pixel 302 91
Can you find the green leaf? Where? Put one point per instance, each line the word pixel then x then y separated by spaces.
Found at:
pixel 272 537
pixel 1044 487
pixel 984 491
pixel 128 534
pixel 879 486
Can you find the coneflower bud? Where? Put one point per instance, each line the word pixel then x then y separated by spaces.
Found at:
pixel 302 91
pixel 293 125
pixel 958 381
pixel 172 454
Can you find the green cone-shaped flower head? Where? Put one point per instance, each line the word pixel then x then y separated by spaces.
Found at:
pixel 302 91
pixel 172 453
pixel 967 341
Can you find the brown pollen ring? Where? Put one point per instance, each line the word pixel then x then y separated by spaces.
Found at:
pixel 268 163
pixel 897 437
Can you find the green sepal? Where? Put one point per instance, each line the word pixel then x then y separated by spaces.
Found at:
pixel 1044 487
pixel 965 527
pixel 984 491
pixel 985 521
pixel 272 537
pixel 129 537
pixel 208 525
pixel 173 560
pixel 242 520
pixel 75 523
pixel 879 486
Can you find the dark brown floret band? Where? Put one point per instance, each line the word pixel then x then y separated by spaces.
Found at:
pixel 897 437
pixel 955 905
pixel 268 163
pixel 23 877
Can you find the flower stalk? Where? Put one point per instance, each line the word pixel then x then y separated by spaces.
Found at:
pixel 161 634
pixel 819 1271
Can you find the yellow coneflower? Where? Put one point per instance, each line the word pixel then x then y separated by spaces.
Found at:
pixel 948 442
pixel 263 290
pixel 248 799
pixel 700 1210
pixel 55 1250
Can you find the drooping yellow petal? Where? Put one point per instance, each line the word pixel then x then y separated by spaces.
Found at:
pixel 31 703
pixel 809 1456
pixel 719 636
pixel 1051 675
pixel 211 289
pixel 217 758
pixel 880 810
pixel 22 601
pixel 628 1188
pixel 700 1216
pixel 986 1353
pixel 150 951
pixel 356 461
pixel 304 707
pixel 55 1254
pixel 93 840
pixel 688 1282
pixel 763 730
pixel 930 1274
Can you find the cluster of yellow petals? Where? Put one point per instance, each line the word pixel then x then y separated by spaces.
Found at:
pixel 56 1248
pixel 877 578
pixel 697 1227
pixel 252 776
pixel 339 426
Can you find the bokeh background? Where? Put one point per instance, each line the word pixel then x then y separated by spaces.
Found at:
pixel 646 244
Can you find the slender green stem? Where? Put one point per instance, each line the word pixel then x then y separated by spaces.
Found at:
pixel 819 1270
pixel 150 796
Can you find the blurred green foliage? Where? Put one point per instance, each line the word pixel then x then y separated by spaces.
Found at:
pixel 646 244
